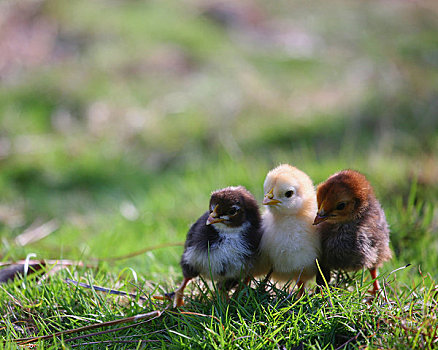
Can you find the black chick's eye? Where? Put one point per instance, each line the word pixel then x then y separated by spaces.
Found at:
pixel 289 193
pixel 232 211
pixel 340 206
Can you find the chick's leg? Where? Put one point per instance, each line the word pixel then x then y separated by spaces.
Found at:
pixel 323 276
pixel 376 287
pixel 247 280
pixel 322 280
pixel 225 286
pixel 179 293
pixel 301 289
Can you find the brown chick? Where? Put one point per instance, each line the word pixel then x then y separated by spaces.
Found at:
pixel 352 225
pixel 290 244
pixel 222 244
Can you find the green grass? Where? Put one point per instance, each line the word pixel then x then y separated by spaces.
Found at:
pixel 259 317
pixel 136 111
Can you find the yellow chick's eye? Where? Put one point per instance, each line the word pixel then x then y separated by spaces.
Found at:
pixel 289 194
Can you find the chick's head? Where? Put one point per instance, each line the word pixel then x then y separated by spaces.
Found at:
pixel 289 191
pixel 343 197
pixel 229 207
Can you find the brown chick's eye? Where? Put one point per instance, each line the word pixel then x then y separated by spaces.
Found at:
pixel 289 193
pixel 340 206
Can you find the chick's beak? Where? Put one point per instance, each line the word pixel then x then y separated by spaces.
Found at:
pixel 269 198
pixel 320 217
pixel 214 218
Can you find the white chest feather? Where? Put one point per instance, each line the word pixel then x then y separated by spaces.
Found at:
pixel 227 258
pixel 290 244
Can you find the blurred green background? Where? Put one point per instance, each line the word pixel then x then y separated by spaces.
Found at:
pixel 118 118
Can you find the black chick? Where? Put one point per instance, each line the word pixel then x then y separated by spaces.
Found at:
pixel 222 244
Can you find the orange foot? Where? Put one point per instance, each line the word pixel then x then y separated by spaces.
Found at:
pixel 176 296
pixel 166 296
pixel 178 301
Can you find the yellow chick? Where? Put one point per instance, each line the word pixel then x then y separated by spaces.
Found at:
pixel 290 244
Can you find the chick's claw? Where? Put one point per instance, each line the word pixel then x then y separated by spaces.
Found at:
pixel 178 300
pixel 175 297
pixel 166 296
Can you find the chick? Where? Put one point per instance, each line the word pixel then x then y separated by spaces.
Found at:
pixel 289 245
pixel 352 225
pixel 221 245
